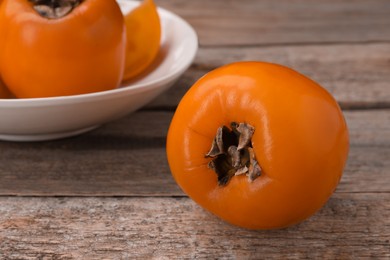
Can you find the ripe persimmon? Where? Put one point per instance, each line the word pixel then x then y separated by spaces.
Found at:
pixel 143 38
pixel 61 47
pixel 258 144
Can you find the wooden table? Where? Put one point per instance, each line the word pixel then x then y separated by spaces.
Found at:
pixel 109 193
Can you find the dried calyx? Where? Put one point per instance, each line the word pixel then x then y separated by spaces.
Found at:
pixel 54 9
pixel 233 154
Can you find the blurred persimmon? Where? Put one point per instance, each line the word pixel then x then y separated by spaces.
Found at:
pixel 58 48
pixel 143 38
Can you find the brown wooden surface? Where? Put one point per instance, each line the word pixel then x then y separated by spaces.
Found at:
pixel 349 226
pixel 108 194
pixel 356 74
pixel 292 22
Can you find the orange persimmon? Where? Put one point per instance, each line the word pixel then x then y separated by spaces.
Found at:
pixel 143 38
pixel 258 144
pixel 58 48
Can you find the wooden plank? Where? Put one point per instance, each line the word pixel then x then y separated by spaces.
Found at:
pixel 122 158
pixel 350 226
pixel 127 158
pixel 357 75
pixel 252 22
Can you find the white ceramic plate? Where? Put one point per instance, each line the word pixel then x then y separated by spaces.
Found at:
pixel 41 119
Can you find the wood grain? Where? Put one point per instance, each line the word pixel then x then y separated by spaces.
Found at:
pixel 350 226
pixel 127 158
pixel 268 22
pixel 357 75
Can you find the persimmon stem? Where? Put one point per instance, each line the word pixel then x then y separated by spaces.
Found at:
pixel 54 9
pixel 233 154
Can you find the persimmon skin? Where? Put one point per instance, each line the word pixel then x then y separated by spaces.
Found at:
pixel 143 38
pixel 82 52
pixel 300 141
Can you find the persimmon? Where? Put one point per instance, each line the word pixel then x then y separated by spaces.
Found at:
pixel 143 38
pixel 258 144
pixel 61 47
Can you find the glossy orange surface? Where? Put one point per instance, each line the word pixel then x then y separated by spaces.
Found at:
pixel 143 38
pixel 81 52
pixel 300 141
